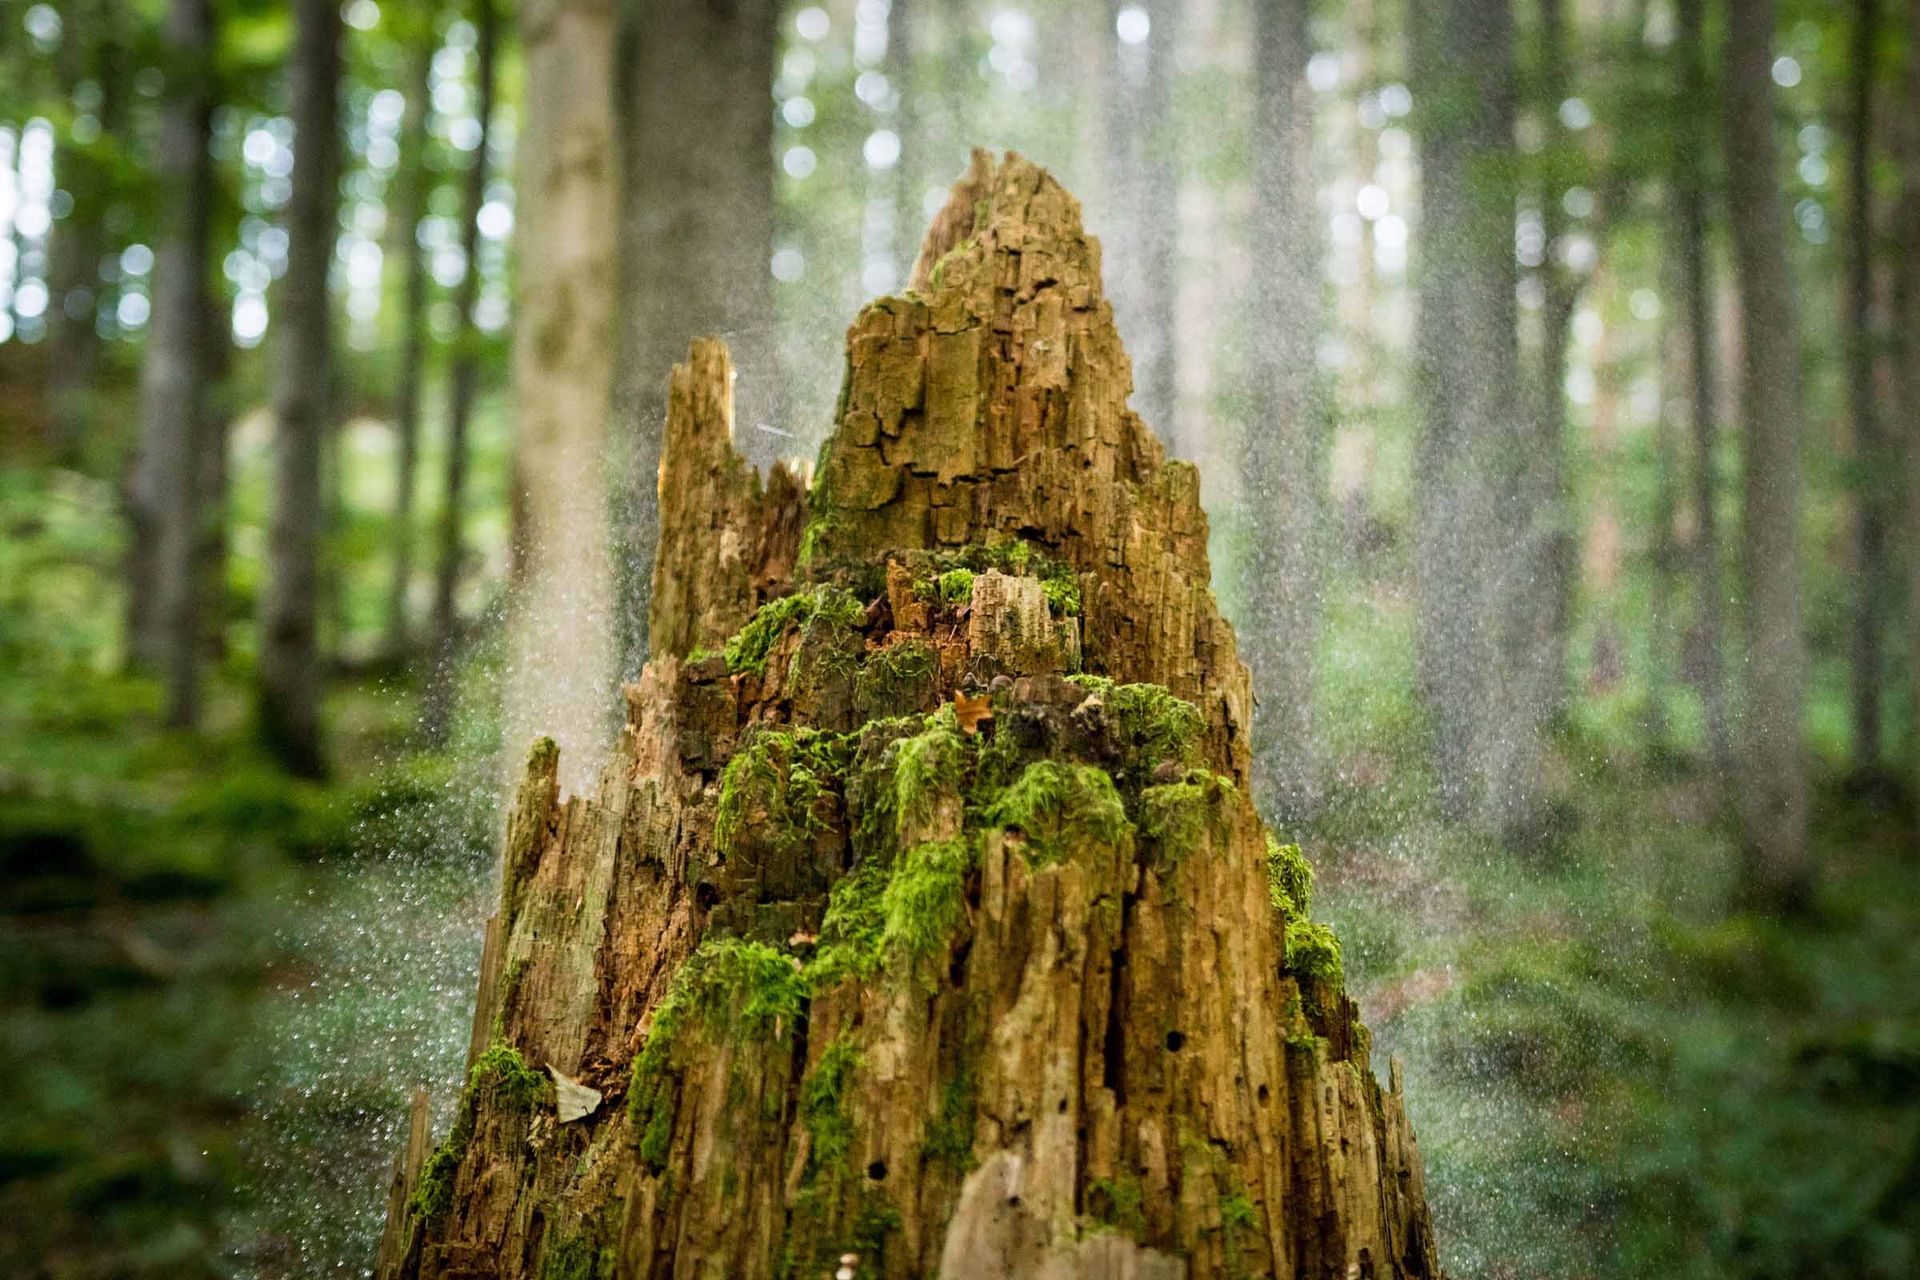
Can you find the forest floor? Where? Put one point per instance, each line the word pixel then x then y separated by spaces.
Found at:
pixel 219 985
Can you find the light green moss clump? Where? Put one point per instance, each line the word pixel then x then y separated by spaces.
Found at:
pixel 500 1074
pixel 1313 951
pixel 827 1122
pixel 1289 879
pixel 730 987
pixel 1118 1203
pixel 827 605
pixel 1060 807
pixel 898 677
pixel 931 761
pixel 1151 723
pixel 956 585
pixel 926 895
pixel 776 780
pixel 1174 815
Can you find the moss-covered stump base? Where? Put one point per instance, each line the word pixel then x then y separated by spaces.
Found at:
pixel 921 924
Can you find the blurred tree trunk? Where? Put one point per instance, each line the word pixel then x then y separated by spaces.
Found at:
pixel 410 206
pixel 1144 202
pixel 173 383
pixel 910 173
pixel 1691 154
pixel 1907 358
pixel 290 684
pixel 464 385
pixel 1284 446
pixel 1871 579
pixel 210 560
pixel 1773 806
pixel 696 235
pixel 90 52
pixel 1546 587
pixel 1471 455
pixel 560 669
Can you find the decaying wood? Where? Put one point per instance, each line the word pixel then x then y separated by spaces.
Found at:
pixel 926 927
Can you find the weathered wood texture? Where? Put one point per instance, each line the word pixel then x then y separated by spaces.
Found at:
pixel 927 928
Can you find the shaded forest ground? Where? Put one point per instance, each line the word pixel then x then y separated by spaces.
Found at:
pixel 219 985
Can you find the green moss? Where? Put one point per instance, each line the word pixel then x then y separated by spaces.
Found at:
pixel 896 678
pixel 1062 588
pixel 820 528
pixel 1119 1204
pixel 1174 815
pixel 775 782
pixel 956 585
pixel 747 649
pixel 850 933
pixel 1314 952
pixel 926 895
pixel 821 1095
pixel 500 1075
pixel 926 764
pixel 577 1257
pixel 1152 724
pixel 949 1139
pixel 1059 808
pixel 745 990
pixel 1289 879
pixel 1237 1211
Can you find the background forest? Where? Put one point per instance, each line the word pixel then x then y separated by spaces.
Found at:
pixel 1553 369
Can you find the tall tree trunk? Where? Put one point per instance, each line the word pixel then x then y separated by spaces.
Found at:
pixel 290 678
pixel 1144 200
pixel 211 559
pixel 1285 440
pixel 945 980
pixel 1471 454
pixel 1871 579
pixel 1707 645
pixel 90 51
pixel 1772 765
pixel 560 669
pixel 695 239
pixel 1907 360
pixel 173 383
pixel 465 378
pixel 1545 590
pixel 410 206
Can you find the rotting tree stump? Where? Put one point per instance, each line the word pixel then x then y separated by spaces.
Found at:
pixel 921 923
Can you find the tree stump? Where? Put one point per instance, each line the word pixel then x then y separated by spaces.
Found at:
pixel 921 923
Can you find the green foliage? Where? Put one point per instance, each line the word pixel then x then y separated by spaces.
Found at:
pixel 1059 808
pixel 1174 815
pixel 1118 1203
pixel 500 1075
pixel 825 604
pixel 1153 725
pixel 925 765
pixel 1062 589
pixel 580 1256
pixel 504 1076
pixel 775 782
pixel 851 931
pixel 1237 1211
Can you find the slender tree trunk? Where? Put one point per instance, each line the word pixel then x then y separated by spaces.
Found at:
pixel 90 50
pixel 1707 645
pixel 1546 588
pixel 560 670
pixel 695 240
pixel 1772 764
pixel 1471 454
pixel 451 549
pixel 410 205
pixel 290 684
pixel 909 123
pixel 1285 441
pixel 1144 199
pixel 173 384
pixel 1907 360
pixel 211 558
pixel 1871 579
